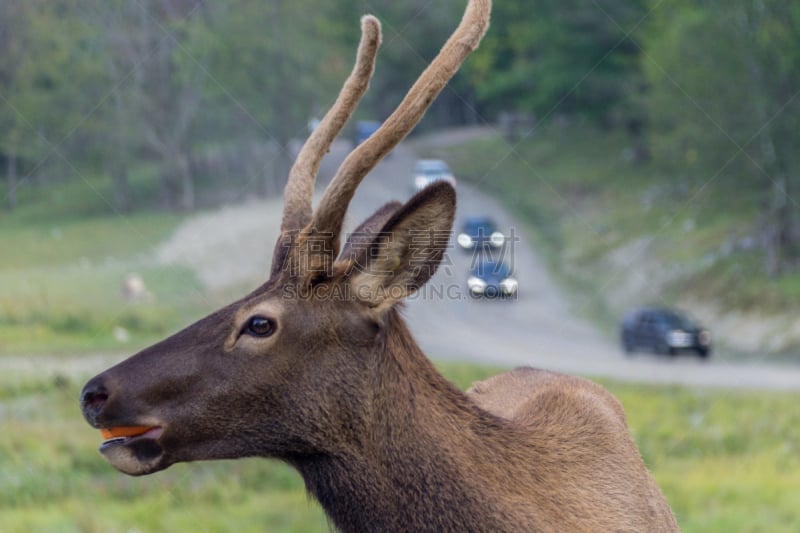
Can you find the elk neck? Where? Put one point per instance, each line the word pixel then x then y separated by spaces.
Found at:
pixel 414 464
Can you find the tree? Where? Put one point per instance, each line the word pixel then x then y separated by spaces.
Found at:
pixel 773 61
pixel 413 33
pixel 47 75
pixel 117 20
pixel 268 65
pixel 565 56
pixel 11 20
pixel 724 80
pixel 169 91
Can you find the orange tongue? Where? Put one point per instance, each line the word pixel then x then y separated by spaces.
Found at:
pixel 124 431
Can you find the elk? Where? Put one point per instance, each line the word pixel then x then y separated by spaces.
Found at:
pixel 317 368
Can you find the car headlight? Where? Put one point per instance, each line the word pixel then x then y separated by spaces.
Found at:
pixel 509 285
pixel 420 182
pixel 674 337
pixel 704 337
pixel 678 339
pixel 464 240
pixel 497 239
pixel 476 284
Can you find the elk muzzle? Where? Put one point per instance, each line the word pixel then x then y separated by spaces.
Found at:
pixel 93 399
pixel 130 446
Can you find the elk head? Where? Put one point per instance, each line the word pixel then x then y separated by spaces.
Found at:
pixel 282 371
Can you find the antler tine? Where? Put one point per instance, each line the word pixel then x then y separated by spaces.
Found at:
pixel 329 216
pixel 300 186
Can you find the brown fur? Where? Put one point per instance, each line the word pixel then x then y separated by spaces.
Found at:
pixel 337 387
pixel 588 426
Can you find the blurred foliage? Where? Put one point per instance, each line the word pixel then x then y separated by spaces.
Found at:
pixel 723 101
pixel 564 57
pixel 203 93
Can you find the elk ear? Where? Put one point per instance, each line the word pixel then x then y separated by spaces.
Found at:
pixel 364 234
pixel 406 252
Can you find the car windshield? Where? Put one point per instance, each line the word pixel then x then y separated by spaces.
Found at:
pixel 489 268
pixel 676 320
pixel 432 167
pixel 479 227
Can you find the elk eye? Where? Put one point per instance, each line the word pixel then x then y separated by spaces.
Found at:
pixel 259 326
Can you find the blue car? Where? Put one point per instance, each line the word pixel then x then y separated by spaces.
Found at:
pixel 492 278
pixel 480 233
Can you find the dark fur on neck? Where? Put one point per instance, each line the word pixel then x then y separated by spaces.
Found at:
pixel 407 475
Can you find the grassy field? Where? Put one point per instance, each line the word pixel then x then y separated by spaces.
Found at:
pixel 727 462
pixel 64 256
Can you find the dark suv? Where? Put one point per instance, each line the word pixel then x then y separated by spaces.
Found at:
pixel 664 331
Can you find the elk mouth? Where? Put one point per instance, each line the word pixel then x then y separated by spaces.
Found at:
pixel 124 434
pixel 133 450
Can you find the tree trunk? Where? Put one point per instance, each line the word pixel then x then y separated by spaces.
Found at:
pixel 120 185
pixel 281 165
pixel 781 232
pixel 774 230
pixel 265 171
pixel 170 184
pixel 119 165
pixel 283 130
pixel 187 200
pixel 11 181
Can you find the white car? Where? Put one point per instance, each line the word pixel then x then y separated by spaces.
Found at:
pixel 428 171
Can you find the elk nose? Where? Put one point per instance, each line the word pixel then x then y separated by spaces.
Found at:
pixel 93 399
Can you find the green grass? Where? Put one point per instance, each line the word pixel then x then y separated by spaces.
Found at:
pixel 65 254
pixel 727 462
pixel 53 240
pixel 71 308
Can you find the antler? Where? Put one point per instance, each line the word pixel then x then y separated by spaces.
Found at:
pixel 316 245
pixel 328 219
pixel 300 185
